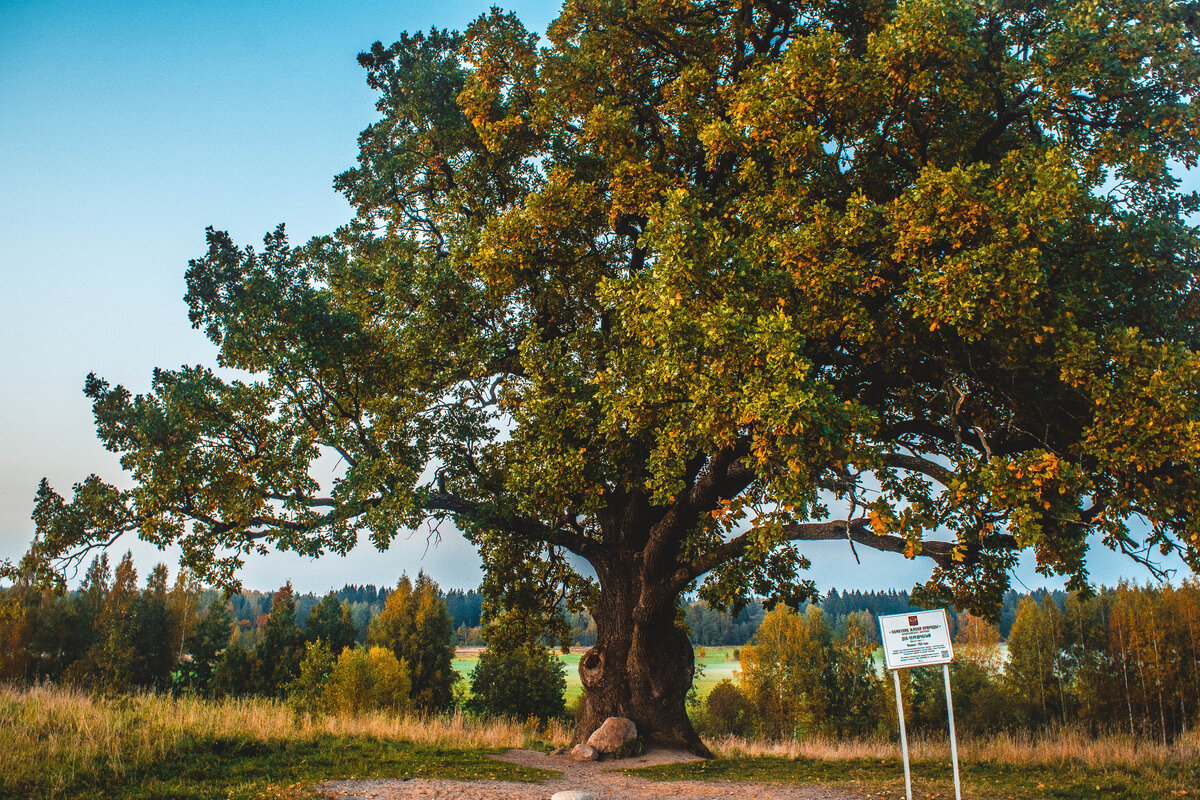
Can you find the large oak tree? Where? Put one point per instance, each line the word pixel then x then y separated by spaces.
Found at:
pixel 693 282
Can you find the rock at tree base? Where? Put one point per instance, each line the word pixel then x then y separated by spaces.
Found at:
pixel 584 752
pixel 614 733
pixel 572 795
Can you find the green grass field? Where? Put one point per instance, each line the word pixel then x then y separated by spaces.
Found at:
pixel 715 664
pixel 61 744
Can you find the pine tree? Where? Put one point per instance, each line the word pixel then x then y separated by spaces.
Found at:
pixel 153 634
pixel 108 665
pixel 415 626
pixel 330 621
pixel 280 645
pixel 206 647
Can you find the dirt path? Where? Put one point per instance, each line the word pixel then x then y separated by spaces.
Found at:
pixel 599 779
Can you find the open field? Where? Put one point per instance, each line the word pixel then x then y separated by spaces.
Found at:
pixel 57 743
pixel 716 663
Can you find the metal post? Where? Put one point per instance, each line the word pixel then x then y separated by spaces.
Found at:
pixel 903 735
pixel 953 738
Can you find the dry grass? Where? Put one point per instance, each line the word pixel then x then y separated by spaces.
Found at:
pixel 54 741
pixel 1059 747
pixel 54 737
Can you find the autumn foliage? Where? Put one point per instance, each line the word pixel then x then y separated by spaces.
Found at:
pixel 690 283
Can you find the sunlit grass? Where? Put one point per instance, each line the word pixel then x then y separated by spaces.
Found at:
pixel 1059 746
pixel 65 743
pixel 61 743
pixel 1064 763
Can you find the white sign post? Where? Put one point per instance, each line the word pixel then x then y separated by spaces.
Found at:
pixel 917 640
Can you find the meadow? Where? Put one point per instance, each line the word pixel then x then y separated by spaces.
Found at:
pixel 61 743
pixel 714 664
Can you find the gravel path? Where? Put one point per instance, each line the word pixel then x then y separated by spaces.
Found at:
pixel 599 779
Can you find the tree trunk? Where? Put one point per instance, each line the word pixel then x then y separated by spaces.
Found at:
pixel 642 664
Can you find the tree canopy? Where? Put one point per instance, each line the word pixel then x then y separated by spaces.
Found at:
pixel 692 282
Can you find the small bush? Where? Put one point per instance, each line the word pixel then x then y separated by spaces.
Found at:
pixel 367 680
pixel 306 693
pixel 728 710
pixel 390 681
pixel 523 682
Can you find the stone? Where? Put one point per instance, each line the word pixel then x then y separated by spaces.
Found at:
pixel 585 752
pixel 614 733
pixel 572 795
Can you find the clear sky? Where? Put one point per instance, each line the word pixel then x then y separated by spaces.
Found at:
pixel 128 127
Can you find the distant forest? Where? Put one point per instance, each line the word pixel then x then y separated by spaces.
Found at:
pixel 1127 657
pixel 707 627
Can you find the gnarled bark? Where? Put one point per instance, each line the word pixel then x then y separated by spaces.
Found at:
pixel 642 664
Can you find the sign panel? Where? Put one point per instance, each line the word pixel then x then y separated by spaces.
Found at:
pixel 916 639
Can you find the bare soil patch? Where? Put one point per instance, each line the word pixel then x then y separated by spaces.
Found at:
pixel 602 779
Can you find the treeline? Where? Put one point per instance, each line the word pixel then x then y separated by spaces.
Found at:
pixel 112 636
pixel 249 608
pixel 1122 660
pixel 109 635
pixel 711 628
pixel 1125 659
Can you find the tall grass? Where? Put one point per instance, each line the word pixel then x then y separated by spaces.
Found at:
pixel 55 738
pixel 1062 746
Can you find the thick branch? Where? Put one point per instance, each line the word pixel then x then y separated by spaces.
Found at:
pixel 930 469
pixel 857 530
pixel 526 527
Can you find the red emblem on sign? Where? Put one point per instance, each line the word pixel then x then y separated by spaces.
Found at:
pixel 912 622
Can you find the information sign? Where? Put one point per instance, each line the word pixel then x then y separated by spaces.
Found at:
pixel 916 639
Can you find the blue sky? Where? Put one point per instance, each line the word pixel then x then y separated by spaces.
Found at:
pixel 128 127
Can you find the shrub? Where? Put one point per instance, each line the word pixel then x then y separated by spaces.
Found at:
pixel 521 682
pixel 306 693
pixel 368 680
pixel 728 710
pixel 391 684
